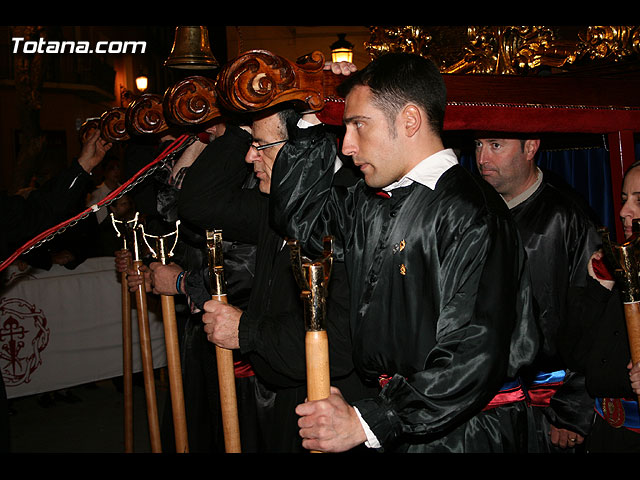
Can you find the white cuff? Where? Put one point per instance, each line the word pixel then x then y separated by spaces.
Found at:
pixel 372 441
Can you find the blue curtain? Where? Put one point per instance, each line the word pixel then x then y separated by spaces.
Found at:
pixel 589 173
pixel 586 170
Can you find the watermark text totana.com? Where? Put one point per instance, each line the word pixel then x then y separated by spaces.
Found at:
pixel 20 45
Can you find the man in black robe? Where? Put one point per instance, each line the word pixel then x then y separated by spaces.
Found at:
pixel 186 277
pixel 23 218
pixel 559 235
pixel 270 331
pixel 440 305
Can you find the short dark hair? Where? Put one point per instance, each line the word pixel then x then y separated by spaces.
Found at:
pixel 396 79
pixel 289 118
pixel 286 113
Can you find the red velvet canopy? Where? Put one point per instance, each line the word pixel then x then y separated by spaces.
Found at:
pixel 557 104
pixel 540 118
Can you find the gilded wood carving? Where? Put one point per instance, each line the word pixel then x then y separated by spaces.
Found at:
pixel 509 49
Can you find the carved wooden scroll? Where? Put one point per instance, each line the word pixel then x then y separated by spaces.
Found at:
pixel 113 125
pixel 145 115
pixel 191 101
pixel 254 81
pixel 259 79
pixel 86 128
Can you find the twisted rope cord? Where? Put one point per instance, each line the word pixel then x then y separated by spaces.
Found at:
pixel 136 179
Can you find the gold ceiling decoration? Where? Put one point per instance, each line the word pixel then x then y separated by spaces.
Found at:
pixel 508 50
pixel 610 42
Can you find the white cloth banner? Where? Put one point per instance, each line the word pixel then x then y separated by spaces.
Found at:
pixel 61 327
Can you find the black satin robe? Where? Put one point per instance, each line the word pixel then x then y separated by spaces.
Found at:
pixel 439 297
pixel 271 330
pixel 197 354
pixel 559 236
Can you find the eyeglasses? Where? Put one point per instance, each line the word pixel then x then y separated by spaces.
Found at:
pixel 267 145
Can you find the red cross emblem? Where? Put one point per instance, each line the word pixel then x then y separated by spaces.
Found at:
pixel 23 337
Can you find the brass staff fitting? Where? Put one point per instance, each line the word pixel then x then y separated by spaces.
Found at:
pixel 216 265
pixel 313 279
pixel 624 259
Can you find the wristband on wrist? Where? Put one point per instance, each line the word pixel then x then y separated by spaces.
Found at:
pixel 179 279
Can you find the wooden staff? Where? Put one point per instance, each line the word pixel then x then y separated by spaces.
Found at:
pixel 127 362
pixel 127 349
pixel 313 280
pixel 224 357
pixel 162 253
pixel 145 349
pixel 625 261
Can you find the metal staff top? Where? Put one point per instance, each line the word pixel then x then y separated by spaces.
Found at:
pixel 313 279
pixel 161 252
pixel 133 235
pixel 124 228
pixel 624 259
pixel 216 268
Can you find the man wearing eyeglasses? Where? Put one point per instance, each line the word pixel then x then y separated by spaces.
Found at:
pixel 269 134
pixel 270 331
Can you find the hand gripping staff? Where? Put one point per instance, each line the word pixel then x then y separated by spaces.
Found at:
pixel 145 349
pixel 124 230
pixel 224 357
pixel 162 253
pixel 313 279
pixel 625 261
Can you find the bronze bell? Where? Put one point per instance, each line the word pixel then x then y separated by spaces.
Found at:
pixel 191 49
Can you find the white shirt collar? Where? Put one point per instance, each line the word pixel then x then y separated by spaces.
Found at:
pixel 428 171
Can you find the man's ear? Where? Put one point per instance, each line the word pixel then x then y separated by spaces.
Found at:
pixel 211 130
pixel 531 147
pixel 411 119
